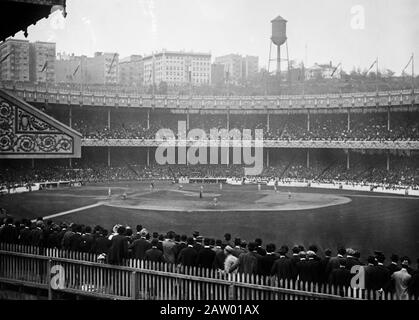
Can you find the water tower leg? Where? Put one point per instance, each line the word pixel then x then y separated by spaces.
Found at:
pixel 278 61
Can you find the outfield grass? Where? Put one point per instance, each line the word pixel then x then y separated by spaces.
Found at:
pixel 369 222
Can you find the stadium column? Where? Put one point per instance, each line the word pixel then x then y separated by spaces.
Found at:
pixel 267 158
pixel 70 124
pixel 349 120
pixel 348 165
pixel 308 158
pixel 148 119
pixel 109 118
pixel 388 160
pixel 109 156
pixel 308 120
pixel 187 119
pixel 267 120
pixel 388 119
pixel 148 156
pixel 228 120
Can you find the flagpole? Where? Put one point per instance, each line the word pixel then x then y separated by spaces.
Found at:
pixel 413 74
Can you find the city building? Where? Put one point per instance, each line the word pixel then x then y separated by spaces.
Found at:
pixel 217 74
pixel 238 68
pixel 102 68
pixel 131 71
pixel 14 57
pixel 177 68
pixel 69 68
pixel 42 61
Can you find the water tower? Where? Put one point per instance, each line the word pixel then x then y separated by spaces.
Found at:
pixel 279 37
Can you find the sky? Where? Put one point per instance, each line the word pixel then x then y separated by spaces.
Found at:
pixel 351 32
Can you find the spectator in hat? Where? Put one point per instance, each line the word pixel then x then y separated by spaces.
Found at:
pixel 341 277
pixel 219 255
pixel 137 234
pixel 228 241
pixel 401 280
pixel 168 245
pixel 314 267
pixel 260 250
pixel 414 282
pixel 248 262
pixel 180 245
pixel 206 256
pixel 324 262
pixel 230 260
pixel 378 275
pixel 37 234
pixel 25 233
pixel 237 249
pixel 87 240
pixel 351 260
pixel 140 246
pixel 188 255
pixel 267 261
pixel 393 266
pixel 295 259
pixel 102 243
pixel 334 262
pixel 154 254
pixel 303 267
pixel 119 247
pixel 282 268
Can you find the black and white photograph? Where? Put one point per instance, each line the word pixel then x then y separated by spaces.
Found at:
pixel 229 153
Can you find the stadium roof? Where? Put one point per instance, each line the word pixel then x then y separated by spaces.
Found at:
pixel 18 15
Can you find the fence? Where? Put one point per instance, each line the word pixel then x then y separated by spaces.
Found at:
pixel 139 279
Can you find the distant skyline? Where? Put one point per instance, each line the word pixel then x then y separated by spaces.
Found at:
pixel 318 31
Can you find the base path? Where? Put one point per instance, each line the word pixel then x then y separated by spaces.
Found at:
pixel 71 211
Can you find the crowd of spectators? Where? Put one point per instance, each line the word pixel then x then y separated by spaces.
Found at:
pixel 327 127
pixel 403 172
pixel 227 255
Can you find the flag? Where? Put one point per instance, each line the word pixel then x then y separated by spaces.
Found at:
pixel 372 65
pixel 75 71
pixel 113 59
pixel 410 60
pixel 335 70
pixel 45 66
pixel 7 55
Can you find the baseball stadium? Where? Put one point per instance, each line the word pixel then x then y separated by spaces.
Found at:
pixel 339 168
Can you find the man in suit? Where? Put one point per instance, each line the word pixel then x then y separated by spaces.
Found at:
pixel 119 247
pixel 140 246
pixel 351 260
pixel 379 275
pixel 220 255
pixel 414 282
pixel 37 234
pixel 314 267
pixel 303 268
pixel 228 241
pixel 267 261
pixel 154 254
pixel 25 233
pixel 188 255
pixel 334 262
pixel 87 241
pixel 168 245
pixel 324 262
pixel 393 266
pixel 237 249
pixel 206 256
pixel 75 239
pixel 180 245
pixel 247 262
pixel 282 268
pixel 401 280
pixel 295 258
pixel 102 243
pixel 261 251
pixel 340 277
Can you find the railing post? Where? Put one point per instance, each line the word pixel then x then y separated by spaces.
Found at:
pixel 134 287
pixel 232 292
pixel 49 264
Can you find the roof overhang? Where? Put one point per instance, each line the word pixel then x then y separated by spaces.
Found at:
pixel 26 132
pixel 18 15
